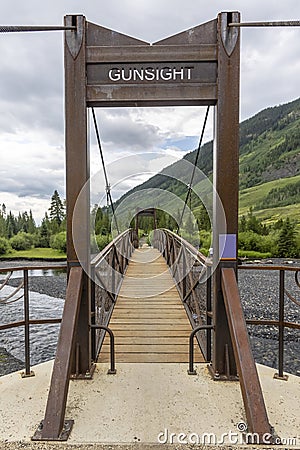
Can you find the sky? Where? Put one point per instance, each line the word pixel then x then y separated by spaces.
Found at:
pixel 32 90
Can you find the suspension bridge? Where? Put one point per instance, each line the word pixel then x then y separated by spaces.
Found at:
pixel 166 321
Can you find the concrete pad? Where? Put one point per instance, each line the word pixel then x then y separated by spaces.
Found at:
pixel 143 402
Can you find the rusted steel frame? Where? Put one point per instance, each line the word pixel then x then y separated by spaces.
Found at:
pixel 112 370
pixel 26 324
pixel 255 267
pixel 208 316
pixel 78 175
pixel 53 423
pixel 21 323
pixel 183 294
pixel 146 53
pixel 191 370
pixel 156 96
pixel 275 323
pixel 93 313
pixel 281 324
pixel 33 268
pixel 256 413
pixel 8 326
pixel 296 278
pixel 44 321
pixel 226 180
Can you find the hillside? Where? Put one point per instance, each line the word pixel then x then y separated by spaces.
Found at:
pixel 269 164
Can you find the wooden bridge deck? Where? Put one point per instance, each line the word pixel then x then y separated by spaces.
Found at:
pixel 149 321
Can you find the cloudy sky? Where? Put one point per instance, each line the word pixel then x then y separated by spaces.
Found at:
pixel 32 91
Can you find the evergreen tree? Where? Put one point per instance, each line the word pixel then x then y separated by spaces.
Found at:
pixel 287 244
pixel 56 212
pixel 3 221
pixel 31 223
pixel 11 225
pixel 44 232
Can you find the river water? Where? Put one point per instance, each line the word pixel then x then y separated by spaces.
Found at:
pixel 43 338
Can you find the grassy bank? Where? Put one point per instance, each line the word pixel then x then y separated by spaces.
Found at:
pixel 35 253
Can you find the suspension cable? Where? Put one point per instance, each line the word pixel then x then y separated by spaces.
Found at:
pixel 189 192
pixel 280 23
pixel 108 193
pixel 21 29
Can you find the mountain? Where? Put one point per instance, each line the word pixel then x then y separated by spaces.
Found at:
pixel 269 164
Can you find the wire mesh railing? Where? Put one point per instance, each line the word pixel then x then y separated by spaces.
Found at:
pixel 107 271
pixel 191 272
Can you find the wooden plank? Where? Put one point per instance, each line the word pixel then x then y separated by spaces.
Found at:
pixel 146 348
pixel 155 340
pixel 151 358
pixel 120 333
pixel 149 328
pixel 144 313
pixel 141 321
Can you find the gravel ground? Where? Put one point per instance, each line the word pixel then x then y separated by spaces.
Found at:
pixel 259 294
pixel 260 298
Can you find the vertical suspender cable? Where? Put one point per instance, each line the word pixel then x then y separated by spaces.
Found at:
pixel 104 170
pixel 189 192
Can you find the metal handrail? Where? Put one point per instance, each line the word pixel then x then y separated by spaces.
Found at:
pixel 112 370
pixel 191 370
pixel 281 323
pixel 26 322
pixel 114 258
pixel 171 246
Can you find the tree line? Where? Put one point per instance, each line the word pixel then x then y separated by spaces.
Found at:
pixel 20 232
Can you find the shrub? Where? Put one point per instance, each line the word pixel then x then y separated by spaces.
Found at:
pixel 59 241
pixel 102 241
pixel 22 241
pixel 4 246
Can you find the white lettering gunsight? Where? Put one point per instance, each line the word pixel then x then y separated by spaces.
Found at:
pixel 150 74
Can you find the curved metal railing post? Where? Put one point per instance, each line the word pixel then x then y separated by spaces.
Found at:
pixel 191 370
pixel 112 370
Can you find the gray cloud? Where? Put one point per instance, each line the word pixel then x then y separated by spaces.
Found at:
pixel 31 76
pixel 123 132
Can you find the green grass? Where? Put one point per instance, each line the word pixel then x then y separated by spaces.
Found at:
pixel 271 215
pixel 252 196
pixel 253 254
pixel 35 253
